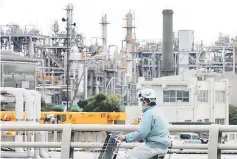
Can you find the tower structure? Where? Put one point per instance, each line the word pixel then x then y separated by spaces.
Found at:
pixel 104 24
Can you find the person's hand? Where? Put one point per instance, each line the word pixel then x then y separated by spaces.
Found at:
pixel 121 137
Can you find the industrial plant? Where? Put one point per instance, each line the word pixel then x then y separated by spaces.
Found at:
pixel 193 82
pixel 40 62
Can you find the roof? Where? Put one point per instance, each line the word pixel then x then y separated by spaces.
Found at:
pixel 8 55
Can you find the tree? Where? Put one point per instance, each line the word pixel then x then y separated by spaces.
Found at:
pixel 100 103
pixel 232 115
pixel 56 109
pixel 74 108
pixel 49 107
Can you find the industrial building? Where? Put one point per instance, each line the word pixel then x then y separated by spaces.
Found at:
pixel 96 68
pixel 93 68
pixel 194 83
pixel 198 98
pixel 221 57
pixel 188 98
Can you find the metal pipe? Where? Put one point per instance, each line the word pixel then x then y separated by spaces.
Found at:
pixel 85 82
pixel 234 59
pixel 42 152
pixel 72 90
pixel 174 128
pixel 18 109
pixel 132 145
pixel 37 104
pixel 104 127
pixel 100 127
pixel 29 110
pixel 227 146
pixel 19 101
pixel 14 154
pixel 67 63
pixel 228 128
pixel 37 110
pixel 100 144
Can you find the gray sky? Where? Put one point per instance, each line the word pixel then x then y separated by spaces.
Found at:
pixel 206 17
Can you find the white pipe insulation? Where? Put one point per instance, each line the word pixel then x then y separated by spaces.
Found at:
pixel 37 104
pixel 33 113
pixel 18 109
pixel 43 153
pixel 37 107
pixel 29 107
pixel 29 111
pixel 13 154
pixel 40 136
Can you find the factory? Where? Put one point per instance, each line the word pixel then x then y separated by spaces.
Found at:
pixel 194 84
pixel 196 89
pixel 189 78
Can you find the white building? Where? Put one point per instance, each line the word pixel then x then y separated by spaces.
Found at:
pixel 188 98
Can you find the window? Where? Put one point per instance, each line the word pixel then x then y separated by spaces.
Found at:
pixel 232 137
pixel 203 96
pixel 220 96
pixel 185 136
pixel 169 96
pixel 187 120
pixel 63 118
pixel 195 137
pixel 183 96
pixel 175 96
pixel 199 120
pixel 220 121
pixel 206 120
pixel 176 138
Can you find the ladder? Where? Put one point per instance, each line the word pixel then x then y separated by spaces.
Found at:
pixel 109 146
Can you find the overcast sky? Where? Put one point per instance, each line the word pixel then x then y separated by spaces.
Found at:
pixel 206 17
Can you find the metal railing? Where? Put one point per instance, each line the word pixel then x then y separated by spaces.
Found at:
pixel 214 145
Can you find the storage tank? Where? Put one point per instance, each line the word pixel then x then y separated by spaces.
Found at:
pixel 17 71
pixel 77 66
pixel 93 49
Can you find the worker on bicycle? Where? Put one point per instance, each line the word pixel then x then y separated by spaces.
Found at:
pixel 153 129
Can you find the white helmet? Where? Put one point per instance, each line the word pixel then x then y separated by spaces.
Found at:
pixel 147 94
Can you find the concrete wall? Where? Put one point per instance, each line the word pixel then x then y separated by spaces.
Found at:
pixel 233 86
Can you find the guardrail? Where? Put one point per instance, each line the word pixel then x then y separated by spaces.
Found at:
pixel 214 145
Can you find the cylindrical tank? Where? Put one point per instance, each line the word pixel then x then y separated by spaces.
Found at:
pixel 16 70
pixel 167 51
pixel 55 27
pixel 92 49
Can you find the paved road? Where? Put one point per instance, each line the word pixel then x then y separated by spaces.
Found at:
pixel 86 155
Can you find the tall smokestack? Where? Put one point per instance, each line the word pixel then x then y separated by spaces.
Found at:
pixel 167 48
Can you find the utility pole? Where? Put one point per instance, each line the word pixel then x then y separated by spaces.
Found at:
pixel 67 78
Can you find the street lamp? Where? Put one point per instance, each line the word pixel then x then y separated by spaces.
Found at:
pixel 67 80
